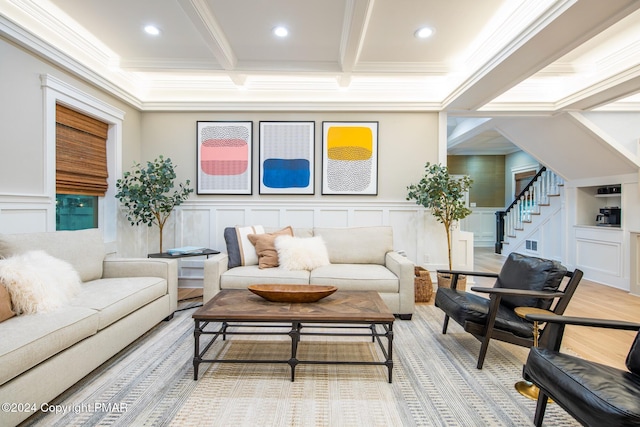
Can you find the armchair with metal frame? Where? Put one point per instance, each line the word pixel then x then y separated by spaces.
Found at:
pixel 593 393
pixel 524 281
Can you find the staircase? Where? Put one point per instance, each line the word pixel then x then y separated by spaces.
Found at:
pixel 529 204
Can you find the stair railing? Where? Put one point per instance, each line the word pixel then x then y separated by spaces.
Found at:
pixel 535 194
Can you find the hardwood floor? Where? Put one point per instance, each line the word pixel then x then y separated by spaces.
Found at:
pixel 590 300
pixel 189 293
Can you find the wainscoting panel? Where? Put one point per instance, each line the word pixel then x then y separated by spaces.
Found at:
pixel 332 217
pixel 601 259
pixel 303 218
pixel 20 220
pixel 482 223
pixel 195 227
pixel 368 217
pixel 26 213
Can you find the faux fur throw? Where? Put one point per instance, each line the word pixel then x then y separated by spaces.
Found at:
pixel 38 282
pixel 295 253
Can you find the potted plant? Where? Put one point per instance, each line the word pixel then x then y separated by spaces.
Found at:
pixel 146 193
pixel 444 195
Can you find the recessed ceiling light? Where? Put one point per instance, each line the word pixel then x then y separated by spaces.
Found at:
pixel 281 31
pixel 423 33
pixel 152 29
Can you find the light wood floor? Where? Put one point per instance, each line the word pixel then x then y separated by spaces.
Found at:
pixel 590 300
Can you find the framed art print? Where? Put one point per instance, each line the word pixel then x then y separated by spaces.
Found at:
pixel 287 157
pixel 224 157
pixel 350 158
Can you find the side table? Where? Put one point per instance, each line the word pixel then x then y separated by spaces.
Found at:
pixel 205 252
pixel 527 388
pixel 166 255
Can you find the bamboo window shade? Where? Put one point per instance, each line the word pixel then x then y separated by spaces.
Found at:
pixel 81 153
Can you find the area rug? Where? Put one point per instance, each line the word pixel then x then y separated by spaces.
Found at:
pixel 435 383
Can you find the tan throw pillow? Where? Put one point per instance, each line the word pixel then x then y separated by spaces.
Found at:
pixel 5 305
pixel 265 246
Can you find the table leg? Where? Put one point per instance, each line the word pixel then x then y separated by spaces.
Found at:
pixel 197 331
pixel 295 339
pixel 389 361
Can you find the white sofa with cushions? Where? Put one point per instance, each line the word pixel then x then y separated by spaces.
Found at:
pixel 44 353
pixel 359 258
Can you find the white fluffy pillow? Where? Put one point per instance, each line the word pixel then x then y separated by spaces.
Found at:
pixel 38 282
pixel 295 253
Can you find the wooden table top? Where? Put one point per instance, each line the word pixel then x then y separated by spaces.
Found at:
pixel 342 306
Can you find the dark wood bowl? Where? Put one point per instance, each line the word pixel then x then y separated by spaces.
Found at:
pixel 292 293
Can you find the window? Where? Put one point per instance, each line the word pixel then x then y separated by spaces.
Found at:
pixel 522 179
pixel 81 168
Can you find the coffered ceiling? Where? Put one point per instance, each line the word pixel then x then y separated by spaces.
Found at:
pixel 484 57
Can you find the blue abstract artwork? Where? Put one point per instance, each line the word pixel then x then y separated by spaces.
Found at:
pixel 286 157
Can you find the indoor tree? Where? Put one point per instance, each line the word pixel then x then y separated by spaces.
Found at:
pixel 148 193
pixel 444 195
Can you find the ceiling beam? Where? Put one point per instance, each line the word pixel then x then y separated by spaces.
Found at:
pixel 565 27
pixel 356 20
pixel 610 90
pixel 207 25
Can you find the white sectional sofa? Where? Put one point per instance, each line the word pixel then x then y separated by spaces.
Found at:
pixel 43 354
pixel 361 258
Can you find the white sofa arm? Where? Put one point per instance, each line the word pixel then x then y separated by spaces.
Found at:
pixel 145 267
pixel 214 266
pixel 402 267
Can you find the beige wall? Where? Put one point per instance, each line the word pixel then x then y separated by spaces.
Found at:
pixel 22 149
pixel 405 142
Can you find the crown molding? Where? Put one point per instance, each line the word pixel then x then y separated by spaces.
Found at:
pixel 36 45
pixel 346 106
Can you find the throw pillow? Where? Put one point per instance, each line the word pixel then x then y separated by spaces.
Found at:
pixel 38 282
pixel 239 249
pixel 297 253
pixel 5 305
pixel 265 246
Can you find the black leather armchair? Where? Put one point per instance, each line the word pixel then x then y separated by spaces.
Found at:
pixel 594 394
pixel 522 281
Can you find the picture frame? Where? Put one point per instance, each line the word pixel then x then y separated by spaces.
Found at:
pixel 350 158
pixel 286 157
pixel 224 157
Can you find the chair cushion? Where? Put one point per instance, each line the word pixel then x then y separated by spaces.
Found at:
pixel 356 277
pixel 30 339
pixel 633 358
pixel 594 394
pixel 467 307
pixel 531 273
pixel 114 298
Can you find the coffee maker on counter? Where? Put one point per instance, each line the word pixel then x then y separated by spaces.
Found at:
pixel 608 217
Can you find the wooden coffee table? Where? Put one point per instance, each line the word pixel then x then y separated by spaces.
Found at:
pixel 232 310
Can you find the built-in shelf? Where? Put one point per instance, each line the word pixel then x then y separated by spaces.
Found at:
pixel 589 201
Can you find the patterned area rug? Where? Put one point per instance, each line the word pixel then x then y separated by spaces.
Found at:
pixel 435 383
